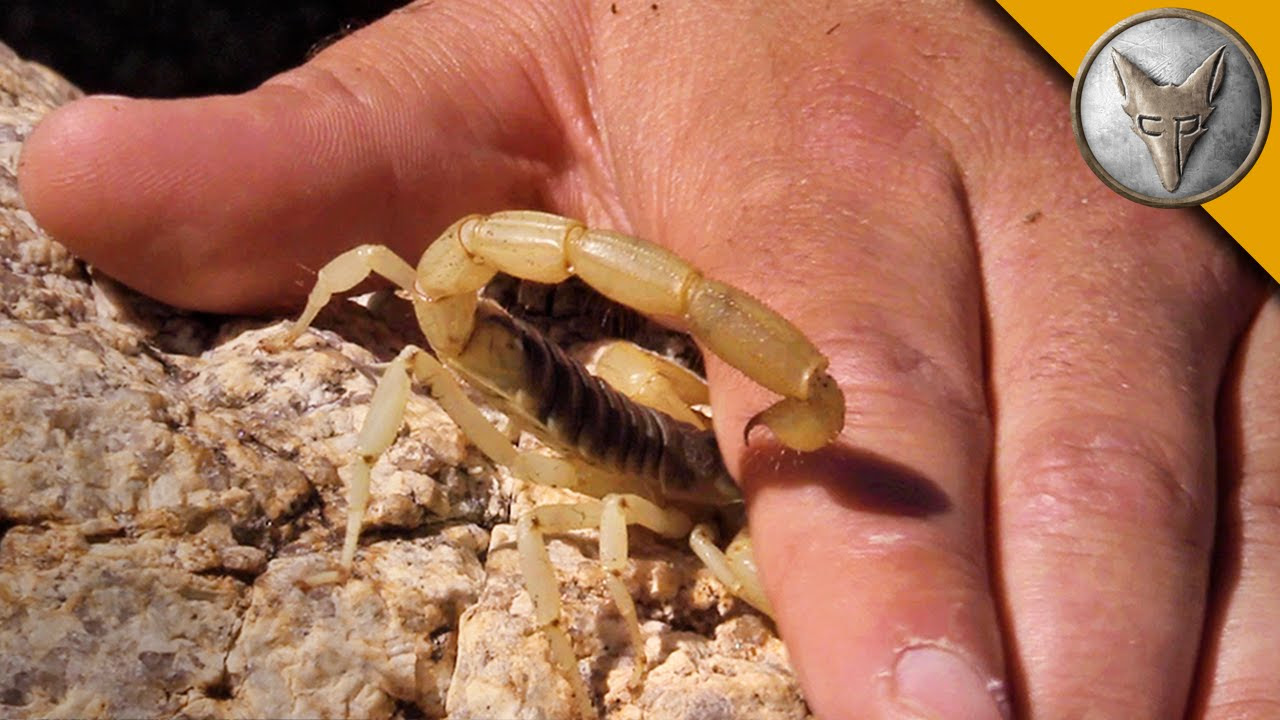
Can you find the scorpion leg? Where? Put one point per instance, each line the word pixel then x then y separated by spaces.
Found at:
pixel 540 582
pixel 735 567
pixel 732 324
pixel 612 515
pixel 345 272
pixel 620 511
pixel 386 414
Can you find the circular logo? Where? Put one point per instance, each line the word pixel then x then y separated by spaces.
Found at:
pixel 1170 108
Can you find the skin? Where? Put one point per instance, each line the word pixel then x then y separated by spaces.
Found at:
pixel 1056 492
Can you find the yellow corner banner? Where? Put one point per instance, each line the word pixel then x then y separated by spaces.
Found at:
pixel 1248 210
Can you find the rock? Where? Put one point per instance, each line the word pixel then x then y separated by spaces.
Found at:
pixel 170 485
pixel 708 654
pixel 110 629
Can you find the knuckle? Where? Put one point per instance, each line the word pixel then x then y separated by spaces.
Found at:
pixel 329 84
pixel 1126 477
pixel 874 366
pixel 1103 349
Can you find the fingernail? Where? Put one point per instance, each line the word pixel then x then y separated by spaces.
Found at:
pixel 935 683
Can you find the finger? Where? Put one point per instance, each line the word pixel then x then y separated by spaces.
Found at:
pixel 1238 677
pixel 1110 326
pixel 872 551
pixel 232 203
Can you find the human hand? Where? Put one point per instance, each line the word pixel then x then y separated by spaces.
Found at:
pixel 901 182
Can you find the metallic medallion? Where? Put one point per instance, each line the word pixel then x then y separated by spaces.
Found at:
pixel 1171 108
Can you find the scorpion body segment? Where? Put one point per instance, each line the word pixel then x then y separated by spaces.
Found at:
pixel 633 444
pixel 571 409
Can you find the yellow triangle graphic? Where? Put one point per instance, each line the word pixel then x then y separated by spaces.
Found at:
pixel 1249 211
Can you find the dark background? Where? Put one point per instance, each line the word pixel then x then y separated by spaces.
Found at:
pixel 169 48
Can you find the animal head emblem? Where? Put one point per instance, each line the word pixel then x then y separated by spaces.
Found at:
pixel 1169 118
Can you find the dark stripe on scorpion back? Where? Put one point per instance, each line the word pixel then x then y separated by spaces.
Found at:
pixel 610 429
pixel 587 315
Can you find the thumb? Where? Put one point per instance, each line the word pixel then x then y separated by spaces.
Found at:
pixel 230 203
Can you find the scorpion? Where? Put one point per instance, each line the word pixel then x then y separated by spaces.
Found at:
pixel 629 441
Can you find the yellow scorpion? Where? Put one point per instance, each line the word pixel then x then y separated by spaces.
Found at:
pixel 630 440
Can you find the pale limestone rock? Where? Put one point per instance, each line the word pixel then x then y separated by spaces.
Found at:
pixel 355 649
pixel 708 654
pixel 169 483
pixel 110 627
